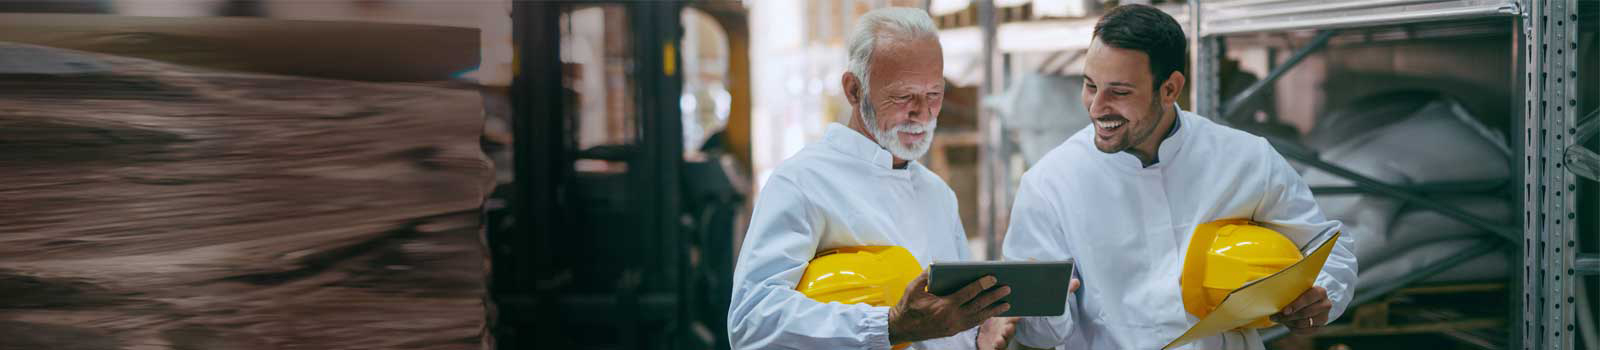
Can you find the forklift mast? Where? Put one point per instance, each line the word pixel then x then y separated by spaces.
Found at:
pixel 632 259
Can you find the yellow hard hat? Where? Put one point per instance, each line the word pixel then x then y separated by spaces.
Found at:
pixel 872 275
pixel 1224 255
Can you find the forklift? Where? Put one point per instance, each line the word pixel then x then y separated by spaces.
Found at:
pixel 623 244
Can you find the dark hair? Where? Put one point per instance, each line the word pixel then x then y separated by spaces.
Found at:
pixel 1147 29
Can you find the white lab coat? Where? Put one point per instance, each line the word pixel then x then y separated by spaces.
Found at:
pixel 841 191
pixel 1128 226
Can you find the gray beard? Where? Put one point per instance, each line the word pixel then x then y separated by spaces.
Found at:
pixel 890 139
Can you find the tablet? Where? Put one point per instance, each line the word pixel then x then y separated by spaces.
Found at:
pixel 1038 288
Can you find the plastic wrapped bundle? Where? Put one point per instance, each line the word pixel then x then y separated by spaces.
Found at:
pixel 1405 139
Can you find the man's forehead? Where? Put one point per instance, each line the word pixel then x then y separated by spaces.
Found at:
pixel 887 43
pixel 1106 64
pixel 911 83
pixel 908 64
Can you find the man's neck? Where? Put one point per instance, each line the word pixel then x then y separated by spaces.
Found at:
pixel 1148 152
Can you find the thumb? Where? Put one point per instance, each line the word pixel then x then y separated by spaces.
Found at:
pixel 1009 326
pixel 1073 286
pixel 918 285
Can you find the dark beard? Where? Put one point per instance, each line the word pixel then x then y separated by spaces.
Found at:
pixel 1138 137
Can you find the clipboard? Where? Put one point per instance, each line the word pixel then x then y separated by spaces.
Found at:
pixel 1260 298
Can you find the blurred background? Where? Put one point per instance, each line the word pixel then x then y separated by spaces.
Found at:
pixel 377 174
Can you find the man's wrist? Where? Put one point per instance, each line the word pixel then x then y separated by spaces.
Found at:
pixel 895 335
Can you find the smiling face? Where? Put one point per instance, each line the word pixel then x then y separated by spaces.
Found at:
pixel 904 95
pixel 1119 93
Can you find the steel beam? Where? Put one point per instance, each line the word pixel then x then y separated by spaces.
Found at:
pixel 1447 187
pixel 1255 89
pixel 1380 187
pixel 1235 17
pixel 1579 160
pixel 1587 264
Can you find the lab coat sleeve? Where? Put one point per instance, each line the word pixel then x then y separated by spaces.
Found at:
pixel 765 311
pixel 1036 233
pixel 1288 207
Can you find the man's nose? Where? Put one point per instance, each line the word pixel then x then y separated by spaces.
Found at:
pixel 1097 105
pixel 921 110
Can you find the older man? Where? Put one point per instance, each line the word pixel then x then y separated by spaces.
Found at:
pixel 861 186
pixel 1123 196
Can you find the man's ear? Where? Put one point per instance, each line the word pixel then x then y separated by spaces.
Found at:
pixel 1171 88
pixel 852 88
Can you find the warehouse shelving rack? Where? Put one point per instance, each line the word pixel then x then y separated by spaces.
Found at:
pixel 1549 149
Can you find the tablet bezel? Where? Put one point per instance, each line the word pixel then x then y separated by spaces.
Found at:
pixel 1032 294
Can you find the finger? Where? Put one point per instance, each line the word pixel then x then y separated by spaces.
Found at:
pixel 1298 303
pixel 1305 299
pixel 996 344
pixel 1309 322
pixel 988 297
pixel 1298 323
pixel 1002 327
pixel 1320 308
pixel 918 285
pixel 961 297
pixel 1288 322
pixel 1008 329
pixel 1073 286
pixel 993 310
pixel 1304 326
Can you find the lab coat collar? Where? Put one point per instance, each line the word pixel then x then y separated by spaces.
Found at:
pixel 1183 123
pixel 854 144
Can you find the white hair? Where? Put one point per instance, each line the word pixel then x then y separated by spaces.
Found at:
pixel 893 24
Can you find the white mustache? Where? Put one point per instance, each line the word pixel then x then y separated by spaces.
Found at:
pixel 913 128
